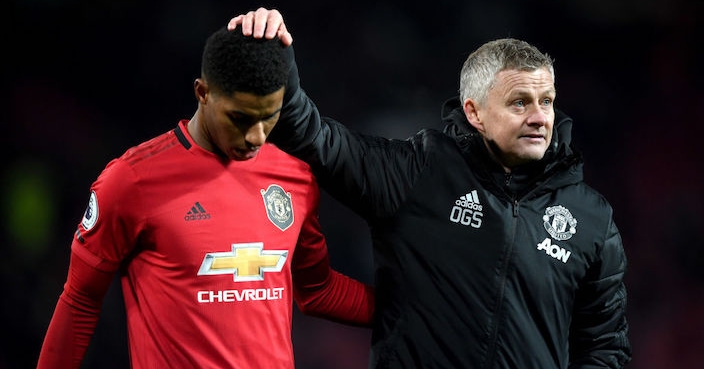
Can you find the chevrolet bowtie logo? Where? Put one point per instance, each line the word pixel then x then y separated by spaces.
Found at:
pixel 246 261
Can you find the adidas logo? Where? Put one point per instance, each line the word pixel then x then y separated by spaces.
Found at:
pixel 470 200
pixel 197 212
pixel 467 210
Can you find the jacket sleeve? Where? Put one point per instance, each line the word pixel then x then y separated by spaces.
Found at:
pixel 598 335
pixel 321 291
pixel 371 175
pixel 77 311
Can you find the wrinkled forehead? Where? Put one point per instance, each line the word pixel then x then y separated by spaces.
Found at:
pixel 538 81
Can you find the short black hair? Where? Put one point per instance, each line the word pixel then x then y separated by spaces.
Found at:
pixel 233 63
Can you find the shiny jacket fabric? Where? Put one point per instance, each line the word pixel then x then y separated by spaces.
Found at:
pixel 474 268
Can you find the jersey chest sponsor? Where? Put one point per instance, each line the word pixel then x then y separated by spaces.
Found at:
pixel 247 294
pixel 246 262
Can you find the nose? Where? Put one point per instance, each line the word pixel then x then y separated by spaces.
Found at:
pixel 539 115
pixel 255 135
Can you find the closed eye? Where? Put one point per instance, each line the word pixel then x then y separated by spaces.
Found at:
pixel 241 121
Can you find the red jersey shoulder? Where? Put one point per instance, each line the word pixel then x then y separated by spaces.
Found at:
pixel 115 191
pixel 150 148
pixel 278 157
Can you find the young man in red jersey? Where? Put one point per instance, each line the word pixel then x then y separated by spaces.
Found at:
pixel 213 231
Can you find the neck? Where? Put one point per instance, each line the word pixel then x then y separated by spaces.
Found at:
pixel 197 134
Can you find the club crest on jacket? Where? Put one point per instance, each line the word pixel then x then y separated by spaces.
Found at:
pixel 559 222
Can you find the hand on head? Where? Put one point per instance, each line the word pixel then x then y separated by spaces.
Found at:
pixel 262 23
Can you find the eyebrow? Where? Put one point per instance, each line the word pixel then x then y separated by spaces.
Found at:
pixel 277 111
pixel 522 93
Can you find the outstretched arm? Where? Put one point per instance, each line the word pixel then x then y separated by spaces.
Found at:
pixel 371 175
pixel 318 289
pixel 263 22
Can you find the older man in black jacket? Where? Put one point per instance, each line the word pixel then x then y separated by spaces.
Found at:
pixel 490 250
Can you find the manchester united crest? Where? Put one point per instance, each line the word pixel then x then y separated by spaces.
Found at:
pixel 279 207
pixel 559 222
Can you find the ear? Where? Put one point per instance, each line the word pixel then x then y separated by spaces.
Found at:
pixel 471 111
pixel 200 87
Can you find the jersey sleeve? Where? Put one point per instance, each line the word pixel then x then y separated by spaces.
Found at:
pixel 76 314
pixel 106 234
pixel 321 291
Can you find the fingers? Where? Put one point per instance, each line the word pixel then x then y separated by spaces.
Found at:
pixel 284 35
pixel 247 22
pixel 234 22
pixel 262 23
pixel 267 23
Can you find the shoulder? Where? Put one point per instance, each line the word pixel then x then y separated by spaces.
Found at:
pixel 151 148
pixel 430 138
pixel 275 156
pixel 594 198
pixel 429 145
pixel 121 174
pixel 292 174
pixel 275 160
pixel 590 209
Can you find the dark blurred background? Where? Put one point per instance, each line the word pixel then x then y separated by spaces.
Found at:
pixel 85 80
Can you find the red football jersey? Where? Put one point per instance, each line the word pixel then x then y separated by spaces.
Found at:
pixel 206 248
